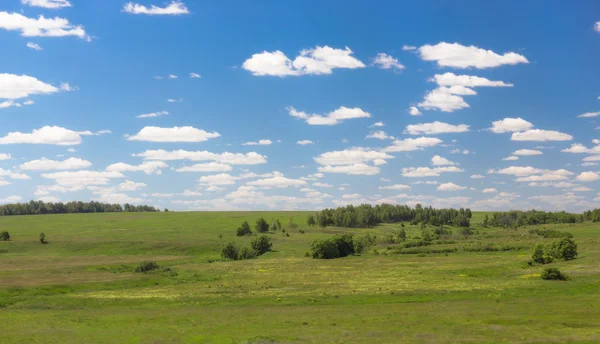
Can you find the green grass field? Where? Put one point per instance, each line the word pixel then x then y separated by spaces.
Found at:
pixel 81 288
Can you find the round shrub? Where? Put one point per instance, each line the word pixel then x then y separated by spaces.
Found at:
pixel 262 244
pixel 553 274
pixel 43 238
pixel 564 248
pixel 4 236
pixel 247 253
pixel 262 226
pixel 147 265
pixel 230 251
pixel 539 256
pixel 244 229
pixel 344 243
pixel 324 249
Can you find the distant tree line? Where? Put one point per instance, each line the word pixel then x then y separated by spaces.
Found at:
pixel 39 208
pixel 366 215
pixel 592 215
pixel 516 218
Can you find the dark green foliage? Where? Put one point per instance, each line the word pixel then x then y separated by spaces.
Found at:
pixel 311 222
pixel 43 238
pixel 592 215
pixel 402 234
pixel 513 219
pixel 291 224
pixel 261 225
pixel 539 255
pixel 244 229
pixel 262 244
pixel 230 251
pixel 344 243
pixel 4 236
pixel 486 221
pixel 367 215
pixel 39 207
pixel 278 224
pixel 564 248
pixel 466 231
pixel 246 253
pixel 550 233
pixel 324 249
pixel 553 274
pixel 166 210
pixel 364 242
pixel 146 266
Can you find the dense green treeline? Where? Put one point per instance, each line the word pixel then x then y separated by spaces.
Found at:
pixel 533 217
pixel 366 215
pixel 39 207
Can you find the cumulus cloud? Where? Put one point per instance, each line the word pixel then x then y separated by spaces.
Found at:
pixel 304 142
pixel 414 111
pixel 175 134
pixel 385 61
pixel 153 114
pixel 351 156
pixel 541 135
pixel 129 185
pixel 258 143
pixel 206 167
pixel 527 152
pixel 395 187
pixel 408 145
pixel 11 199
pixel 577 148
pixel 511 158
pixel 377 125
pixel 380 135
pixel 459 56
pixel 317 61
pixel 218 179
pixel 21 86
pixel 450 187
pixel 41 27
pixel 477 176
pixel 13 175
pixel 277 182
pixel 332 118
pixel 82 178
pixel 588 176
pixel 251 158
pixel 5 156
pixel 489 190
pixel 49 4
pixel 417 172
pixel 46 135
pixel 435 128
pixel 354 169
pixel 451 79
pixel 174 8
pixel 444 100
pixel 34 46
pixel 195 76
pixel 149 167
pixel 510 125
pixel 44 164
pixel 589 114
pixel 441 161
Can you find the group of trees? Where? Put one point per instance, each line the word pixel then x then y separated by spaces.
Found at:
pixel 561 249
pixel 261 226
pixel 258 246
pixel 517 218
pixel 340 246
pixel 366 215
pixel 5 236
pixel 39 207
pixel 592 215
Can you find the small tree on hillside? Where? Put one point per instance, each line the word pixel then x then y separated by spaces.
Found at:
pixel 4 236
pixel 311 221
pixel 291 224
pixel 486 221
pixel 564 248
pixel 262 244
pixel 43 238
pixel 262 226
pixel 244 229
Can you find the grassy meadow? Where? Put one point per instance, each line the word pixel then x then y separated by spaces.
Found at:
pixel 81 287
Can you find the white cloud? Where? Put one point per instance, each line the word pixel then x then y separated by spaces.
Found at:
pixel 45 135
pixel 66 87
pixel 277 182
pixel 380 135
pixel 149 167
pixel 50 4
pixel 541 135
pixel 377 124
pixel 5 156
pixel 597 28
pixel 11 199
pixel 322 185
pixel 350 157
pixel 218 179
pixel 82 178
pixel 589 114
pixel 395 187
pixel 317 61
pixel 21 86
pixel 172 76
pixel 451 79
pixel 129 185
pixel 259 143
pixel 304 142
pixel 332 118
pixel 171 100
pixel 582 189
pixel 34 46
pixel 354 169
pixel 385 61
pixel 511 158
pixel 175 134
pixel 592 158
pixel 174 8
pixel 477 176
pixel 41 27
pixel 588 176
pixel 527 152
pixel 251 158
pixel 195 76
pixel 153 114
pixel 510 125
pixel 13 175
pixel 576 148
pixel 489 190
pixel 191 193
pixel 441 161
pixel 435 128
pixel 44 164
pixel 206 167
pixel 460 56
pixel 417 172
pixel 408 145
pixel 450 187
pixel 414 111
pixel 408 47
pixel 443 100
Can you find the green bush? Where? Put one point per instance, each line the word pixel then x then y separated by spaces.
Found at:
pixel 147 265
pixel 230 251
pixel 550 233
pixel 553 274
pixel 324 249
pixel 363 243
pixel 262 244
pixel 43 238
pixel 344 243
pixel 565 248
pixel 244 229
pixel 539 256
pixel 261 225
pixel 4 236
pixel 246 253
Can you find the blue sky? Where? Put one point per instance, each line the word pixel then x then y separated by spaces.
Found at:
pixel 444 103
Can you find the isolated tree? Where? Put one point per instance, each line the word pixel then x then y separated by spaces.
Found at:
pixel 262 244
pixel 278 225
pixel 43 238
pixel 262 226
pixel 4 236
pixel 486 220
pixel 244 229
pixel 564 248
pixel 311 221
pixel 402 234
pixel 230 251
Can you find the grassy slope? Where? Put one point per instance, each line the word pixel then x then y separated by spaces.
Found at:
pixel 79 289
